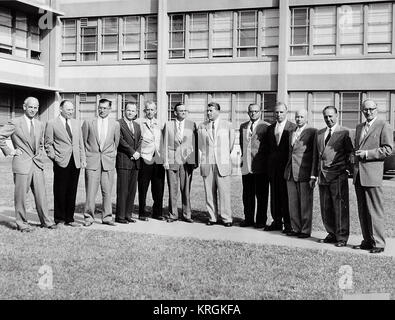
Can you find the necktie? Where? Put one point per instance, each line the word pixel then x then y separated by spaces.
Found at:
pixel 295 136
pixel 364 132
pixel 179 136
pixel 32 136
pixel 328 136
pixel 102 136
pixel 131 128
pixel 277 134
pixel 68 129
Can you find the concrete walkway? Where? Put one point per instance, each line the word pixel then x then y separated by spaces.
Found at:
pixel 217 232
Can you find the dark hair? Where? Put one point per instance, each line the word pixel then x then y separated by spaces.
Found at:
pixel 104 100
pixel 254 104
pixel 215 105
pixel 177 105
pixel 330 107
pixel 64 101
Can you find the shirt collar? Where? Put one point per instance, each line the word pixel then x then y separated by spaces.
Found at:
pixel 301 128
pixel 371 122
pixel 27 118
pixel 332 129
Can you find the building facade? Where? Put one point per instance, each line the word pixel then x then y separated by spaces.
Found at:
pixel 308 53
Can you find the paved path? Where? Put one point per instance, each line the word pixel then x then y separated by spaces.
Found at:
pixel 217 232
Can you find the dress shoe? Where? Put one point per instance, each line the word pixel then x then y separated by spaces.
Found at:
pixel 292 234
pixel 72 224
pixel 228 224
pixel 26 229
pixel 363 246
pixel 88 223
pixel 171 220
pixel 109 223
pixel 286 230
pixel 160 218
pixel 328 239
pixel 188 220
pixel 123 221
pixel 210 223
pixel 303 235
pixel 245 224
pixel 131 220
pixel 341 243
pixel 52 226
pixel 376 250
pixel 259 225
pixel 273 227
pixel 143 218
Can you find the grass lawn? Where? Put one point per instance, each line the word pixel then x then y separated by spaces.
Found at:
pixel 91 264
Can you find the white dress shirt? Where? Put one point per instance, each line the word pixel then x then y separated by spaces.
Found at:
pixel 63 120
pixel 102 124
pixel 279 129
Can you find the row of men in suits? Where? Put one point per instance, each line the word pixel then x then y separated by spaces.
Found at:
pixel 292 158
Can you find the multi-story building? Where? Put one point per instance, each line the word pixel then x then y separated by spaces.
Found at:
pixel 309 53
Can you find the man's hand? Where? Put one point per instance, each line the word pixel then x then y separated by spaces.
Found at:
pixel 361 154
pixel 166 166
pixel 83 164
pixel 312 183
pixel 135 156
pixel 15 153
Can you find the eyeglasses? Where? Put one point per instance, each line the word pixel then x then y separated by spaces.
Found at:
pixel 254 111
pixel 369 109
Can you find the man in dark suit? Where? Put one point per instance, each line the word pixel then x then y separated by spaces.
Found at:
pixel 128 164
pixel 181 158
pixel 277 150
pixel 298 176
pixel 373 143
pixel 65 147
pixel 27 136
pixel 253 168
pixel 332 150
pixel 101 138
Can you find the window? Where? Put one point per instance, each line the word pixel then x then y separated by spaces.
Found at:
pixel 5 107
pixel 351 29
pixel 131 38
pixel 88 39
pixel 319 102
pixel 109 50
pixel 198 47
pixel 197 105
pixel 297 101
pixel 383 101
pixel 350 103
pixel 269 101
pixel 21 35
pixel 379 27
pixel 247 34
pixel 88 106
pixel 151 37
pixel 222 26
pixel 69 40
pixel 225 101
pixel 5 31
pixel 174 98
pixel 177 36
pixel 324 31
pixel 243 100
pixel 299 31
pixel 270 32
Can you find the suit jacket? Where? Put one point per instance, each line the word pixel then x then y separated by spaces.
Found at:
pixel 186 152
pixel 60 147
pixel 97 158
pixel 300 159
pixel 216 150
pixel 378 143
pixel 252 147
pixel 129 143
pixel 32 152
pixel 152 141
pixel 331 160
pixel 278 154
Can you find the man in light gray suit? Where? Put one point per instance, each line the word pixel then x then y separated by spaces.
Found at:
pixel 331 164
pixel 181 158
pixel 65 147
pixel 298 175
pixel 216 140
pixel 101 139
pixel 373 143
pixel 27 136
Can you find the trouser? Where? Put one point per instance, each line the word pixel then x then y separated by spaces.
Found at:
pixel 279 198
pixel 34 180
pixel 180 179
pixel 154 174
pixel 300 200
pixel 126 192
pixel 217 190
pixel 334 201
pixel 65 184
pixel 94 179
pixel 371 214
pixel 255 186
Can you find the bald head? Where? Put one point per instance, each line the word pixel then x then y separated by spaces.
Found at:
pixel 30 107
pixel 369 109
pixel 301 117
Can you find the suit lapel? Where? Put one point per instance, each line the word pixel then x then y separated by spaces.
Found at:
pixel 321 142
pixel 26 133
pixel 63 128
pixel 209 132
pixel 126 127
pixel 37 133
pixel 371 129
